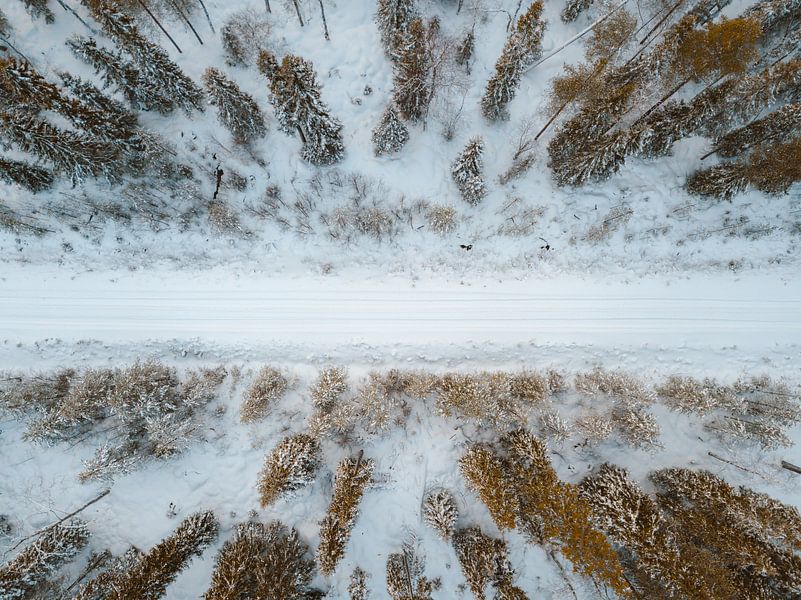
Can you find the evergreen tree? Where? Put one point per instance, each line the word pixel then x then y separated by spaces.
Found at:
pixel 784 121
pixel 237 110
pixel 390 135
pixel 465 49
pixel 295 95
pixel 485 475
pixel 31 177
pixel 393 18
pixel 352 477
pixel 24 89
pixel 522 48
pixel 76 155
pixel 769 168
pixel 56 546
pixel 267 562
pixel 574 8
pixel 38 9
pixel 292 465
pixel 122 76
pixel 5 26
pixel 150 573
pixel 155 65
pixel 441 513
pixel 484 560
pixel 466 172
pixel 412 88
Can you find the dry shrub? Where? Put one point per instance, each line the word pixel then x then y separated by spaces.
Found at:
pixel 291 465
pixel 352 477
pixel 405 579
pixel 622 386
pixel 222 216
pixel 484 397
pixel 594 428
pixel 486 474
pixel 370 409
pixel 268 562
pixel 554 426
pixel 442 218
pixel 761 397
pixel 357 589
pixel 616 218
pixel 767 435
pixel 483 560
pixel 440 512
pixel 22 575
pixel 331 384
pixel 23 395
pixel 149 574
pixel 269 386
pixel 689 395
pixel 245 33
pixel 637 427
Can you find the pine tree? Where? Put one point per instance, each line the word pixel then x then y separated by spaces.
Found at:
pixel 465 49
pixel 24 89
pixel 291 465
pixel 441 513
pixel 77 156
pixel 357 589
pixel 405 574
pixel 486 475
pixel 522 48
pixel 352 477
pixel 38 9
pixel 237 110
pixel 412 88
pixel 151 572
pixel 5 26
pixel 295 96
pixel 483 560
pixel 784 121
pixel 54 547
pixel 269 386
pixel 390 135
pixel 155 65
pixel 466 172
pixel 31 177
pixel 267 562
pixel 393 18
pixel 574 8
pixel 328 388
pixel 121 75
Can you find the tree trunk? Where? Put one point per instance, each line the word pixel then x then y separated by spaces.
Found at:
pixel 662 20
pixel 156 21
pixel 208 18
pixel 267 6
pixel 302 135
pixel 791 467
pixel 325 23
pixel 598 70
pixel 186 20
pixel 662 100
pixel 297 10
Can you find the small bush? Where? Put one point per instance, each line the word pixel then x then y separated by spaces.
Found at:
pixel 441 513
pixel 292 465
pixel 441 218
pixel 269 386
pixel 331 384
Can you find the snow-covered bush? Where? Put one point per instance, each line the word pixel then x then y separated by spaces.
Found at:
pixel 331 384
pixel 467 170
pixel 440 512
pixel 352 477
pixel 269 386
pixel 291 465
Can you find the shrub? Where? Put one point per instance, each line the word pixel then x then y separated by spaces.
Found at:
pixel 292 465
pixel 352 477
pixel 441 218
pixel 357 590
pixel 405 578
pixel 269 386
pixel 440 512
pixel 331 384
pixel 482 558
pixel 486 475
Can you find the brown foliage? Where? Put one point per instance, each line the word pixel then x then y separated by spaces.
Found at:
pixel 722 48
pixel 486 475
pixel 483 560
pixel 291 465
pixel 269 386
pixel 352 477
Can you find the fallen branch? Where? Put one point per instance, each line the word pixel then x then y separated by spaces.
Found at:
pixel 733 464
pixel 791 467
pixel 102 495
pixel 156 21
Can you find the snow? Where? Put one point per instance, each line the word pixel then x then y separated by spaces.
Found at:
pixel 680 286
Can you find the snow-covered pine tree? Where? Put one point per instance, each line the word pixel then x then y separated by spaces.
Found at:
pixel 54 547
pixel 328 388
pixel 522 48
pixel 76 155
pixel 121 75
pixel 465 49
pixel 406 578
pixel 574 8
pixel 487 475
pixel 270 384
pixel 393 18
pixel 24 89
pixel 39 9
pixel 483 560
pixel 36 179
pixel 154 64
pixel 291 465
pixel 412 90
pixel 5 26
pixel 769 168
pixel 268 562
pixel 440 512
pixel 352 477
pixel 299 108
pixel 784 121
pixel 467 172
pixel 390 135
pixel 237 111
pixel 150 573
pixel 357 589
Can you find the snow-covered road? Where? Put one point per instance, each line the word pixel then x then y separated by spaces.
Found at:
pixel 750 312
